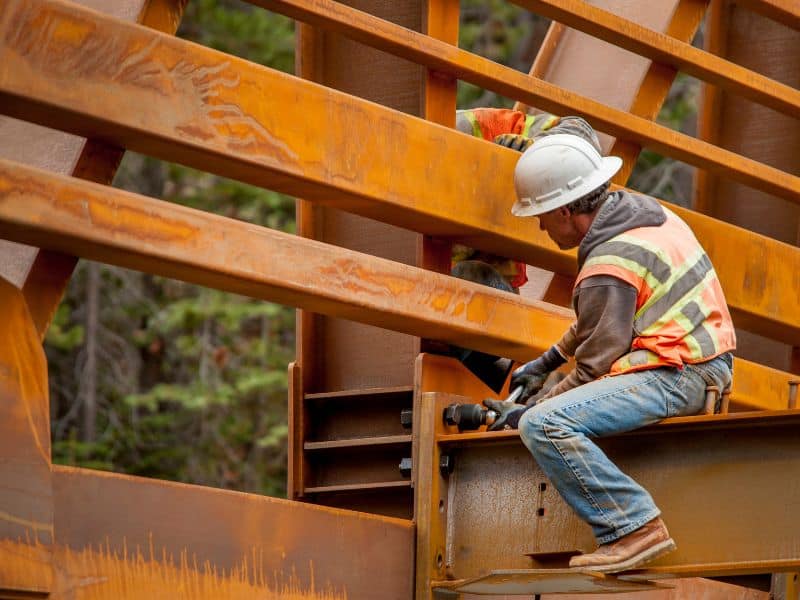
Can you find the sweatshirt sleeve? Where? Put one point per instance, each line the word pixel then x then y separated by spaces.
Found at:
pixel 602 333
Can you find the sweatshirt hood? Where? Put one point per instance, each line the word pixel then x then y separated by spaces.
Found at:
pixel 621 212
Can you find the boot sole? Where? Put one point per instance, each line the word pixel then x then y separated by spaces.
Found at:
pixel 636 560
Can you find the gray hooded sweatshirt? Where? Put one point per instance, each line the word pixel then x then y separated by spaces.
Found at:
pixel 604 305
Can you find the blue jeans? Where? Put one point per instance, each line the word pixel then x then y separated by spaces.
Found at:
pixel 559 433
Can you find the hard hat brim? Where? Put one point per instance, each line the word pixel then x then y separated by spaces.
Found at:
pixel 608 168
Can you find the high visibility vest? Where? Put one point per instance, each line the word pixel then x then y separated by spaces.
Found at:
pixel 681 314
pixel 488 123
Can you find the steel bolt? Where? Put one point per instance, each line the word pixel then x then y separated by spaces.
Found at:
pixel 793 393
pixel 446 464
pixel 405 467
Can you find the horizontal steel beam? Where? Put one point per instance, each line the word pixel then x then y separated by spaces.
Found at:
pixel 722 487
pixel 118 536
pixel 532 91
pixel 667 50
pixel 157 95
pixel 116 227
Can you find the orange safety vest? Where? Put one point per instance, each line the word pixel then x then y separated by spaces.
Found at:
pixel 681 314
pixel 488 123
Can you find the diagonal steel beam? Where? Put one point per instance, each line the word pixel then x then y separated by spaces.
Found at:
pixel 667 50
pixel 116 227
pixel 172 99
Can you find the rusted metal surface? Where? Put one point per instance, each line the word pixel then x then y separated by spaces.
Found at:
pixel 126 537
pixel 133 231
pixel 502 514
pixel 658 80
pixel 129 230
pixel 772 48
pixel 430 492
pixel 26 502
pixel 683 589
pixel 27 100
pixel 43 275
pixel 725 475
pixel 667 50
pixel 352 351
pixel 306 157
pixel 533 92
pixel 549 581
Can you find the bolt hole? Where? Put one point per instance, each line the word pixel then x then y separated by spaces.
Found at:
pixel 439 560
pixel 542 487
pixel 441 506
pixel 540 512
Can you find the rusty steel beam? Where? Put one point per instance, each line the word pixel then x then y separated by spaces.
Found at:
pixel 32 88
pixel 133 231
pixel 667 50
pixel 118 536
pixel 116 227
pixel 26 500
pixel 721 483
pixel 48 274
pixel 208 111
pixel 657 81
pixel 535 92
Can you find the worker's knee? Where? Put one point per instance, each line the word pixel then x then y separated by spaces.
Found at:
pixel 531 427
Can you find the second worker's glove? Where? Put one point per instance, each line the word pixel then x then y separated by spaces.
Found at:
pixel 515 141
pixel 508 413
pixel 531 376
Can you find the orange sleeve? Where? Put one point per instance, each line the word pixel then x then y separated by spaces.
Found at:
pixel 496 121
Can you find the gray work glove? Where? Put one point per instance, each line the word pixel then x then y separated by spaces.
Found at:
pixel 531 376
pixel 508 413
pixel 515 141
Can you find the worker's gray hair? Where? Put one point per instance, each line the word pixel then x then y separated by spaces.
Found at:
pixel 590 202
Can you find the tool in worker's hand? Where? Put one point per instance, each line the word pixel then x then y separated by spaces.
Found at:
pixel 468 417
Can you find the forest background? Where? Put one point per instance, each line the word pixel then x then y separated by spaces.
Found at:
pixel 159 378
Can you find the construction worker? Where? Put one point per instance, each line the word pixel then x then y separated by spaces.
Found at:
pixel 515 130
pixel 652 331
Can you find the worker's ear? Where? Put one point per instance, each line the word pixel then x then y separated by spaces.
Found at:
pixel 564 212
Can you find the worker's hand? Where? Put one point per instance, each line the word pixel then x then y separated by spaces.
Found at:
pixel 531 376
pixel 530 382
pixel 508 414
pixel 515 141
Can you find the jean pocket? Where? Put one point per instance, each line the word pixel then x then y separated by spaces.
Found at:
pixel 717 371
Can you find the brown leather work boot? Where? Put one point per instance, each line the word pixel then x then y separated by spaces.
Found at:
pixel 648 542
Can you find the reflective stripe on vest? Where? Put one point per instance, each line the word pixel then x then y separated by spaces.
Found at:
pixel 476 127
pixel 529 120
pixel 681 315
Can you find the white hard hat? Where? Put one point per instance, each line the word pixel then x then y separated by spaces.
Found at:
pixel 557 170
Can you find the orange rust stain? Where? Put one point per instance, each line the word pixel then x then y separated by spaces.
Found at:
pixel 130 574
pixel 125 218
pixel 71 32
pixel 22 563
